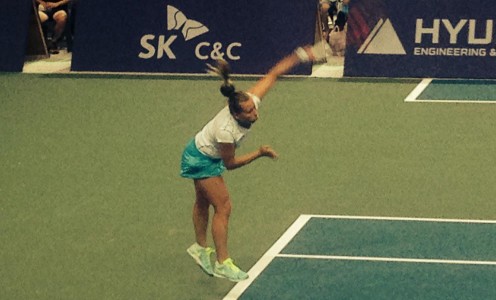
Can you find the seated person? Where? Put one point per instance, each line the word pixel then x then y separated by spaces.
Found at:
pixel 57 11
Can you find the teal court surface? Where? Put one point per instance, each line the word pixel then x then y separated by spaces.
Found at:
pixel 454 91
pixel 345 257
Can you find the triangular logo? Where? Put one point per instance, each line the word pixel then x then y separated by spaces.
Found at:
pixel 383 39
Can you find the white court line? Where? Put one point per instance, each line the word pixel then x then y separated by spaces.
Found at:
pixel 391 259
pixel 292 231
pixel 257 269
pixel 412 97
pixel 402 219
pixel 454 101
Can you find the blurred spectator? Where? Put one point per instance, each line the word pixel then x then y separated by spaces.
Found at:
pixel 342 15
pixel 56 11
pixel 326 16
pixel 333 13
pixel 334 17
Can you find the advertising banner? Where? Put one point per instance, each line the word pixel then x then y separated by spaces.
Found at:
pixel 422 38
pixel 14 25
pixel 180 36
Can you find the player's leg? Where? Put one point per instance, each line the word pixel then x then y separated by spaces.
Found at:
pixel 216 191
pixel 199 250
pixel 200 215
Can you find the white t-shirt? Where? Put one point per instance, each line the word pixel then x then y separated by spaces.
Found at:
pixel 223 128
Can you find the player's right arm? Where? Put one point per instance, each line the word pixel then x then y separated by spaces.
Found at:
pixel 231 161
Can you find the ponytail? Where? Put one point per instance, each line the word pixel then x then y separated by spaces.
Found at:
pixel 223 70
pixel 227 88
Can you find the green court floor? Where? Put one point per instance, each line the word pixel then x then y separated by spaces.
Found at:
pixel 92 205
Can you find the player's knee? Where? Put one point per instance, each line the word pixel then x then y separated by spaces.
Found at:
pixel 223 207
pixel 202 202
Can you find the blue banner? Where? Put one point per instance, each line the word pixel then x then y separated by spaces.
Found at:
pixel 180 36
pixel 14 25
pixel 422 38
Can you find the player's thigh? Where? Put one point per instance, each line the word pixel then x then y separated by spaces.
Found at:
pixel 214 190
pixel 201 197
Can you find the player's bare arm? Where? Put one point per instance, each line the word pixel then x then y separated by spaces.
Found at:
pixel 231 161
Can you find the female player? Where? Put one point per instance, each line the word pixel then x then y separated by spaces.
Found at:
pixel 213 150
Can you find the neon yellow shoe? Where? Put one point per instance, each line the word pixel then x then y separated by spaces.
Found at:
pixel 202 257
pixel 229 270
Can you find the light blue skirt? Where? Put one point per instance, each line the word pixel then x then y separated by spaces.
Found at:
pixel 196 165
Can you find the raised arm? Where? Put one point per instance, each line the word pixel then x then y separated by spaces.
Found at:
pixel 282 67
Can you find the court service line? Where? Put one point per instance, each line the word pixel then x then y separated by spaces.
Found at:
pixel 455 101
pixel 390 259
pixel 402 219
pixel 263 262
pixel 412 97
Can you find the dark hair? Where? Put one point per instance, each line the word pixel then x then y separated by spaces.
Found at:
pixel 228 89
